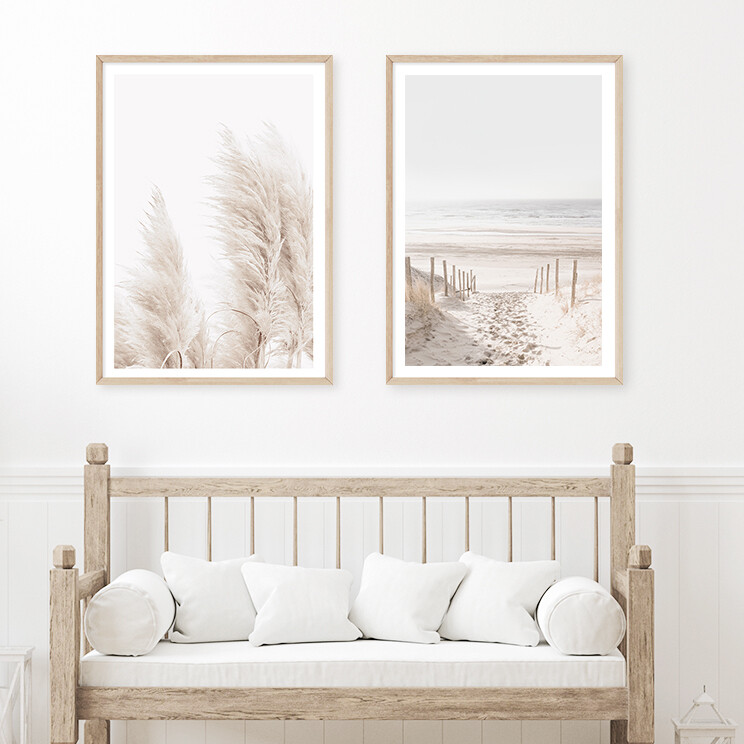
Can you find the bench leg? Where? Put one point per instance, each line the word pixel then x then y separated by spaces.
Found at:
pixel 97 732
pixel 618 732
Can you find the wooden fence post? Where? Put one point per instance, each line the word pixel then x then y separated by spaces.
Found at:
pixel 409 278
pixel 454 281
pixel 573 281
pixel 431 277
pixel 556 277
pixel 547 279
pixel 444 274
pixel 542 275
pixel 459 283
pixel 537 273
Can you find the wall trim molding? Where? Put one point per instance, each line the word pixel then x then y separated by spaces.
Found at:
pixel 654 484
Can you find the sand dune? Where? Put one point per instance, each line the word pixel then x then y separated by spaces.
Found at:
pixel 506 329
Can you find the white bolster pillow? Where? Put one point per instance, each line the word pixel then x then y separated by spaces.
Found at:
pixel 579 617
pixel 130 615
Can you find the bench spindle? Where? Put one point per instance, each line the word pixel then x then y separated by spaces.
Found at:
pixel 294 530
pixel 165 524
pixel 423 529
pixel 467 523
pixel 382 528
pixel 209 528
pixel 596 539
pixel 253 526
pixel 338 532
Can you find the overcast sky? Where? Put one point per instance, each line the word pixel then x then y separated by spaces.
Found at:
pixel 471 137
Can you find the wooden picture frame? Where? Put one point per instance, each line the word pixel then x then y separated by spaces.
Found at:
pixel 424 349
pixel 296 145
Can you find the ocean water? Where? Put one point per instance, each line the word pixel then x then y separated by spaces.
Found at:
pixel 487 216
pixel 504 242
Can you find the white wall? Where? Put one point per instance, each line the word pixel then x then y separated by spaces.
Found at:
pixel 681 403
pixel 693 521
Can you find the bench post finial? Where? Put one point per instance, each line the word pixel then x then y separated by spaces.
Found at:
pixel 622 453
pixel 96 454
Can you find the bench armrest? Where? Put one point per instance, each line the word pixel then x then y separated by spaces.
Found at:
pixel 639 652
pixel 64 646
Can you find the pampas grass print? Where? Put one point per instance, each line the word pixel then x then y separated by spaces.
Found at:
pixel 262 219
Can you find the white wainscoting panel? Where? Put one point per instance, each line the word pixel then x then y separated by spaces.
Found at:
pixel 693 520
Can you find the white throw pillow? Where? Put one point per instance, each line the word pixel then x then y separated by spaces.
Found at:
pixel 496 601
pixel 299 605
pixel 580 617
pixel 213 602
pixel 130 615
pixel 401 601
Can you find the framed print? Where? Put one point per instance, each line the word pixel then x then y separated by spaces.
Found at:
pixel 504 220
pixel 214 220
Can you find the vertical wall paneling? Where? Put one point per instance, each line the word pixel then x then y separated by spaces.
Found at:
pixel 575 539
pixel 731 606
pixel 462 732
pixel 186 732
pixel 230 518
pixel 28 592
pixel 263 732
pixel 144 534
pixel 503 732
pixel 303 732
pixel 383 732
pixel 580 732
pixel 422 732
pixel 698 601
pixel 541 732
pixel 343 732
pixel 659 526
pixel 274 530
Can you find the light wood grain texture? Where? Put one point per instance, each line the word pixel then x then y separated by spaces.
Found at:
pixel 640 649
pixel 338 532
pixel 423 529
pixel 136 486
pixel 97 731
pixel 596 539
pixel 97 519
pixel 294 530
pixel 611 59
pixel 64 556
pixel 209 528
pixel 360 703
pixel 253 526
pixel 90 583
pixel 324 59
pixel 467 523
pixel 381 520
pixel 64 648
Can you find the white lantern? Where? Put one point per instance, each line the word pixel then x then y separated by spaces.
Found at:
pixel 699 723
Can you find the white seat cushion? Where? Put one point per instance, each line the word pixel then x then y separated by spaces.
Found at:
pixel 353 664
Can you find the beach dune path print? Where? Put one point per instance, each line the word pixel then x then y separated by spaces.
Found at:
pixel 503 240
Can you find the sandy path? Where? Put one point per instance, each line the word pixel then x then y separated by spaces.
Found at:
pixel 502 321
pixel 506 329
